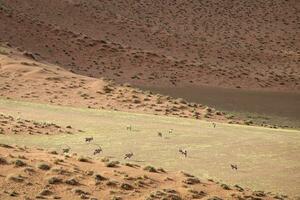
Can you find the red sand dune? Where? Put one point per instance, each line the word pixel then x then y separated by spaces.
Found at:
pixel 240 43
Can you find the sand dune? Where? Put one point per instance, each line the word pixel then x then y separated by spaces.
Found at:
pixel 22 78
pixel 235 44
pixel 36 174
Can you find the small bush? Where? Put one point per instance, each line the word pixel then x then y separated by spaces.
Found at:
pixel 46 192
pixel 83 159
pixel 3 161
pixel 192 181
pixel 72 181
pixel 15 178
pixel 80 191
pixel 28 170
pixel 43 166
pixel 99 177
pixel 54 180
pixel 6 146
pixel 161 170
pixel 19 163
pixel 150 169
pixel 53 152
pixel 105 159
pixel 112 164
pixel 112 183
pixel 127 186
pixel 225 187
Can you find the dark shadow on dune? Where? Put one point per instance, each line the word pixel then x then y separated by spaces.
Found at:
pixel 258 105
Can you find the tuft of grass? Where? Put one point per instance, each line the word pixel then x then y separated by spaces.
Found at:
pixel 43 166
pixel 112 183
pixel 3 161
pixel 150 169
pixel 6 146
pixel 54 180
pixel 112 164
pixel 15 178
pixel 72 181
pixel 126 186
pixel 80 191
pixel 53 152
pixel 2 50
pixel 161 170
pixel 105 159
pixel 19 163
pixel 83 159
pixel 28 170
pixel 45 192
pixel 99 177
pixel 225 187
pixel 192 181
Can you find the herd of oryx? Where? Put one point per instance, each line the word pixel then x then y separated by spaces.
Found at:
pixel 129 155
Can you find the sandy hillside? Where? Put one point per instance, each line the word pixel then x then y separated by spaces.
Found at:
pixel 18 126
pixel 22 78
pixel 235 44
pixel 35 174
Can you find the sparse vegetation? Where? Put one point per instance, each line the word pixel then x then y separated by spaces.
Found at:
pixel 3 161
pixel 15 178
pixel 150 169
pixel 54 180
pixel 43 166
pixel 19 163
pixel 83 159
pixel 112 164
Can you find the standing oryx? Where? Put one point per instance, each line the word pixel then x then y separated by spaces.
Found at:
pixel 98 150
pixel 128 155
pixel 66 150
pixel 183 152
pixel 214 124
pixel 129 128
pixel 89 139
pixel 159 134
pixel 234 167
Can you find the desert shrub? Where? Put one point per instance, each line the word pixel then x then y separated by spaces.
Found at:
pixel 6 146
pixel 53 152
pixel 191 181
pixel 186 174
pixel 3 161
pixel 15 178
pixel 105 159
pixel 229 116
pixel 45 192
pixel 150 169
pixel 116 198
pixel 79 191
pixel 83 159
pixel 54 180
pixel 112 164
pixel 112 183
pixel 2 50
pixel 248 122
pixel 127 186
pixel 161 170
pixel 225 187
pixel 72 181
pixel 19 163
pixel 99 177
pixel 43 166
pixel 28 170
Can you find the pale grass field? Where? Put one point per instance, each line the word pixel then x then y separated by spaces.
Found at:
pixel 268 159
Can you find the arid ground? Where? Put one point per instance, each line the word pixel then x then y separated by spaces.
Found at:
pixel 267 159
